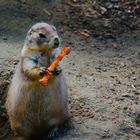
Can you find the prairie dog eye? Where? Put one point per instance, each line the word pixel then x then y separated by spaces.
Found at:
pixel 42 35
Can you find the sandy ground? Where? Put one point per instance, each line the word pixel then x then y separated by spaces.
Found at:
pixel 103 81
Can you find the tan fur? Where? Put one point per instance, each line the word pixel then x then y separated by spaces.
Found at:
pixel 34 110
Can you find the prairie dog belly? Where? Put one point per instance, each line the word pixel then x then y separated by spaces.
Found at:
pixel 37 108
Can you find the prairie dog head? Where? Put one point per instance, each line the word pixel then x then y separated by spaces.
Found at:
pixel 42 36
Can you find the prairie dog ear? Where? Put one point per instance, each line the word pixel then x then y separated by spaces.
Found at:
pixel 30 32
pixel 53 27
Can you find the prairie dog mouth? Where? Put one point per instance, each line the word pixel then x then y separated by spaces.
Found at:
pixel 54 42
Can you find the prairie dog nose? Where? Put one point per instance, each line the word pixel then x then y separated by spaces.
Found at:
pixel 56 42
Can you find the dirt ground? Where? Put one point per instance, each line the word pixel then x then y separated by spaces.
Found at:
pixel 103 74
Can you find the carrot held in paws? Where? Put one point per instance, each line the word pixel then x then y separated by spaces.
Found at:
pixel 52 67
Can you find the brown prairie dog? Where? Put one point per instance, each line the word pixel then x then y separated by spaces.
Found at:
pixel 34 110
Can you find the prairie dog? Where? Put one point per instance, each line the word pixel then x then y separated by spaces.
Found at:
pixel 34 110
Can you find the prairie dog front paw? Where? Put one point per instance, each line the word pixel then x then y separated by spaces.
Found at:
pixel 42 71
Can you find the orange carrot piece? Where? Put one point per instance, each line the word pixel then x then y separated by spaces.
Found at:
pixel 52 67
